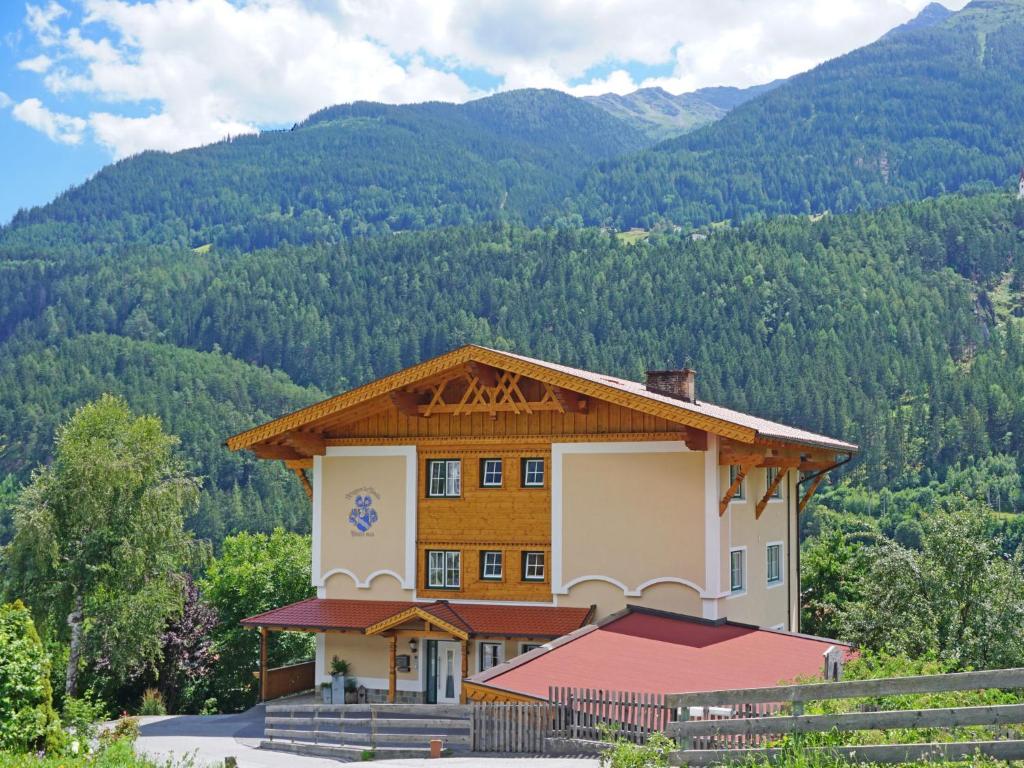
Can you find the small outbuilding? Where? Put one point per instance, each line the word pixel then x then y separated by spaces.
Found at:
pixel 650 651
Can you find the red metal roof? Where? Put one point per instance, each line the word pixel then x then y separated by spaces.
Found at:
pixel 653 652
pixel 477 619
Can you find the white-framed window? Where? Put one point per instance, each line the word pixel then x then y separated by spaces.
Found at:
pixel 491 565
pixel 533 473
pixel 773 562
pixel 770 473
pixel 444 478
pixel 444 569
pixel 490 473
pixel 527 647
pixel 734 472
pixel 491 655
pixel 738 569
pixel 533 566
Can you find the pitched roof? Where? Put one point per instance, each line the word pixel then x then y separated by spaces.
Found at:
pixel 474 619
pixel 657 652
pixel 701 415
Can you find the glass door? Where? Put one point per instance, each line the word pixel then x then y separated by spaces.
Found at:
pixel 449 672
pixel 431 671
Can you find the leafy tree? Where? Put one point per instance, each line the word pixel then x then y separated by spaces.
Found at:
pixel 99 539
pixel 255 573
pixel 958 597
pixel 829 564
pixel 27 718
pixel 187 653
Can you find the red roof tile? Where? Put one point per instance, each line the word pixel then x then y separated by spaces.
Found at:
pixel 652 652
pixel 477 619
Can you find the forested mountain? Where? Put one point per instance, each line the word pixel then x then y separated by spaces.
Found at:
pixel 662 115
pixel 933 109
pixel 356 169
pixel 888 328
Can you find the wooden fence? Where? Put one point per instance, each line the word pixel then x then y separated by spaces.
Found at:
pixel 590 713
pixel 713 741
pixel 291 679
pixel 369 726
pixel 512 727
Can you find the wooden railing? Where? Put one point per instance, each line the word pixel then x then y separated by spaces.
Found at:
pixel 291 679
pixel 713 741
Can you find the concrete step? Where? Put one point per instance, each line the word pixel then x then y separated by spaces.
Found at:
pixel 345 752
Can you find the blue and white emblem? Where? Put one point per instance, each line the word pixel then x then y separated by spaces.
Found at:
pixel 363 515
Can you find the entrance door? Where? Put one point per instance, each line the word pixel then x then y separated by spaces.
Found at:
pixel 449 672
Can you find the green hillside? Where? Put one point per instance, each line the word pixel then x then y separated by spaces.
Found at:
pixel 894 329
pixel 353 170
pixel 933 109
pixel 202 397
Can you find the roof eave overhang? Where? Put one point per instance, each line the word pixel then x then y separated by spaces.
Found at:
pixel 471 353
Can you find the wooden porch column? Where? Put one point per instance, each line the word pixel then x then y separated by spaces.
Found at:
pixel 263 663
pixel 392 668
pixel 465 671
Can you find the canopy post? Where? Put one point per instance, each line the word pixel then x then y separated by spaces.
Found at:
pixel 392 668
pixel 263 664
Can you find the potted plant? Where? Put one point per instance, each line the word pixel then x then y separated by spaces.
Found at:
pixel 339 668
pixel 351 691
pixel 325 692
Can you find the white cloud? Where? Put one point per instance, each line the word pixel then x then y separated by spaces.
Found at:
pixel 42 21
pixel 59 127
pixel 38 64
pixel 206 68
pixel 5 100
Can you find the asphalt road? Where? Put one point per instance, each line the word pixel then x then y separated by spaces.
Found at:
pixel 208 739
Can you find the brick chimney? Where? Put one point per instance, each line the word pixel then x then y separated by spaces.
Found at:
pixel 680 384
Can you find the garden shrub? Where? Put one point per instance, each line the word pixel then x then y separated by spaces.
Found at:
pixel 152 703
pixel 27 718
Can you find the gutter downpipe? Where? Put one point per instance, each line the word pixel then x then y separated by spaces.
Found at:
pixel 796 500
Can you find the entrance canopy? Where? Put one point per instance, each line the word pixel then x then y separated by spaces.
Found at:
pixel 461 620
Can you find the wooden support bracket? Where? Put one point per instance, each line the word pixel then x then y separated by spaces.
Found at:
pixel 770 490
pixel 306 486
pixel 810 492
pixel 307 443
pixel 724 503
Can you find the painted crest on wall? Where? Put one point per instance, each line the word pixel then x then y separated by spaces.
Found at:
pixel 363 515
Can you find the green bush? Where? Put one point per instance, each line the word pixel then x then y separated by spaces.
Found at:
pixel 625 754
pixel 152 703
pixel 125 730
pixel 119 754
pixel 27 718
pixel 82 717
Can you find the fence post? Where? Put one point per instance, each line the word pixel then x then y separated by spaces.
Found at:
pixel 685 742
pixel 373 727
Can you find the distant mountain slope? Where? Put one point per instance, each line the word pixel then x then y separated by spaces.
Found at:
pixel 930 15
pixel 662 115
pixel 932 109
pixel 349 170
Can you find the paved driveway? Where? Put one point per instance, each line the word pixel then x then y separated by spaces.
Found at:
pixel 208 739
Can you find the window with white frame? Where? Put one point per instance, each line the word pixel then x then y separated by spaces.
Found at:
pixel 491 655
pixel 769 476
pixel 533 566
pixel 533 473
pixel 527 647
pixel 491 562
pixel 773 563
pixel 734 472
pixel 444 569
pixel 490 473
pixel 737 570
pixel 444 478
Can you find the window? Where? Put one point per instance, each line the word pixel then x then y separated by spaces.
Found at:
pixel 533 473
pixel 444 569
pixel 737 570
pixel 490 565
pixel 773 563
pixel 490 473
pixel 533 566
pixel 444 477
pixel 769 477
pixel 734 472
pixel 491 655
pixel 527 647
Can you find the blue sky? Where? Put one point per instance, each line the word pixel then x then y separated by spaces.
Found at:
pixel 84 82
